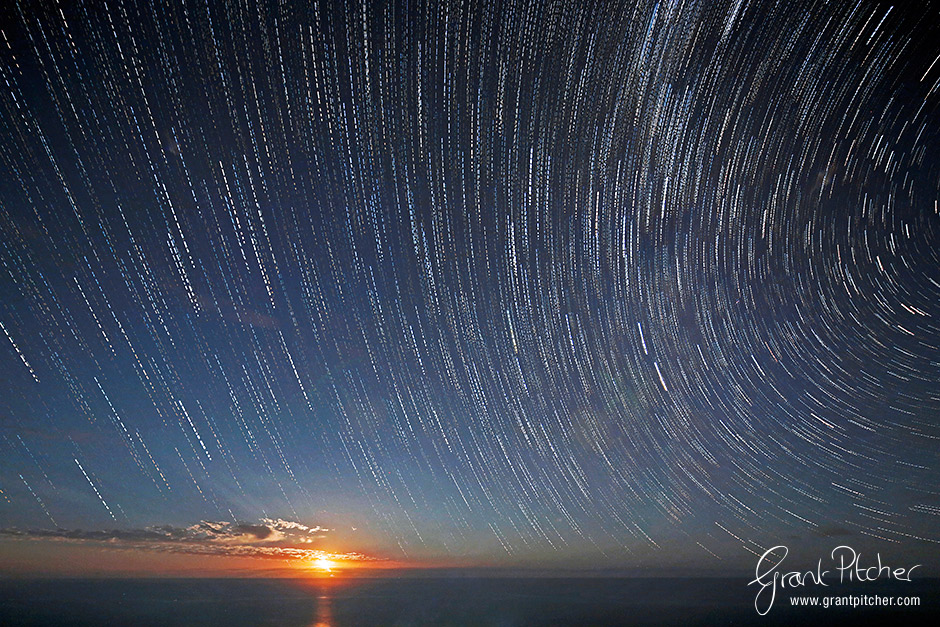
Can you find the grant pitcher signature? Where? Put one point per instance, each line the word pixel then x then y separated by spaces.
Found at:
pixel 845 560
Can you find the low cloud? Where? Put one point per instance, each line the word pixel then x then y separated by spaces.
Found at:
pixel 269 538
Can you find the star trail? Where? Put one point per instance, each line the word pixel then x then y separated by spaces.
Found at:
pixel 513 282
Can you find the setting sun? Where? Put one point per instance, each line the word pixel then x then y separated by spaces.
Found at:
pixel 324 565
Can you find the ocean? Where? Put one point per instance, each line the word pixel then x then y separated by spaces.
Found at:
pixel 472 601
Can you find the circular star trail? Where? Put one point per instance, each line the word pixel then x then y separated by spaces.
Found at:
pixel 516 281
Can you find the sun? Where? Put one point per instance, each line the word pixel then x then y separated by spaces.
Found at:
pixel 324 564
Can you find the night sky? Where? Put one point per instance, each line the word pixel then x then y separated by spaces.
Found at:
pixel 633 286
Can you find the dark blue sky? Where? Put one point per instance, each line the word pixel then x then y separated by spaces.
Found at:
pixel 629 286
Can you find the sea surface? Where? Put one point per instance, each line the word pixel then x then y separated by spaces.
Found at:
pixel 474 601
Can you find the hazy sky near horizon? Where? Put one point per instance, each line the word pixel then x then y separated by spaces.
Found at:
pixel 647 285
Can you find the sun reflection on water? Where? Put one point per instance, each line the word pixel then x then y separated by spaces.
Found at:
pixel 324 616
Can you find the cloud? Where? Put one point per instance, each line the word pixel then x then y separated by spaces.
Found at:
pixel 269 538
pixel 282 524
